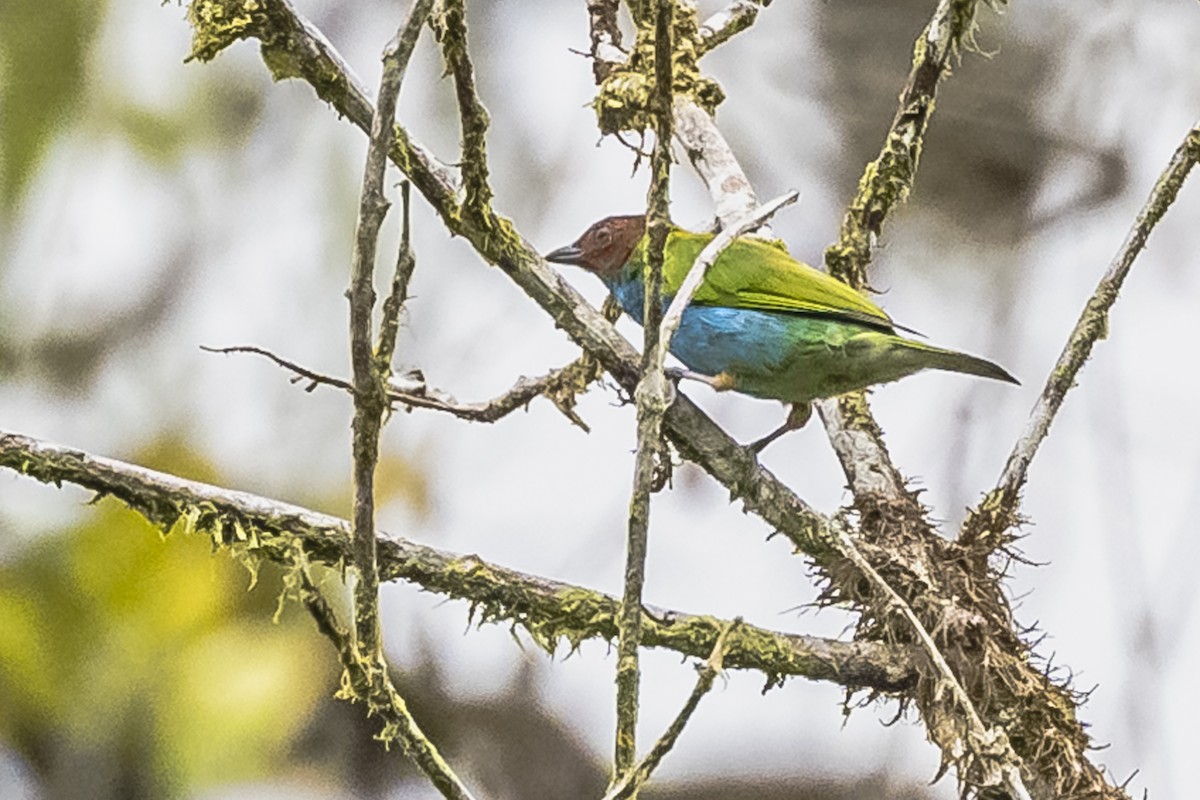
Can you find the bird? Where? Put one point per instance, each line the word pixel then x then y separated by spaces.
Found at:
pixel 763 323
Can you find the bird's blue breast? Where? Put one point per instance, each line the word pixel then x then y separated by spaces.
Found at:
pixel 716 339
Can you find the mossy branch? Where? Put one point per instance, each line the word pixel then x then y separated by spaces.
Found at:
pixel 450 27
pixel 639 773
pixel 257 528
pixel 652 396
pixel 885 183
pixel 989 524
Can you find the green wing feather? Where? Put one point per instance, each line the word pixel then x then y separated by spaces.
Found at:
pixel 755 274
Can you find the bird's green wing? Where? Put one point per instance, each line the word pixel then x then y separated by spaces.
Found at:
pixel 755 274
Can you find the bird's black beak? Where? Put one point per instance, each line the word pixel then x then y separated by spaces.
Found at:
pixel 571 254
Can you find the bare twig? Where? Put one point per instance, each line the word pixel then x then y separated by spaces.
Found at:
pixel 728 22
pixel 651 399
pixel 370 397
pixel 314 379
pixel 636 777
pixel 560 386
pixel 550 610
pixel 998 511
pixel 708 256
pixel 1000 765
pixel 389 325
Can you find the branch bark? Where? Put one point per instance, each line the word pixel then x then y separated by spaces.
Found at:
pixel 651 396
pixel 552 611
pixel 988 525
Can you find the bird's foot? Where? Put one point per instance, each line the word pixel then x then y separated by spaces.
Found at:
pixel 797 418
pixel 721 382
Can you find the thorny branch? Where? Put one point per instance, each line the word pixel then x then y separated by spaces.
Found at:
pixel 997 513
pixel 651 396
pixel 993 755
pixel 260 528
pixel 637 776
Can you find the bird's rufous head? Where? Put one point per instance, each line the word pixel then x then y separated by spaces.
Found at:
pixel 605 247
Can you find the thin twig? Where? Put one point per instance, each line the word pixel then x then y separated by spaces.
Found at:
pixel 370 397
pixel 549 609
pixel 369 677
pixel 389 325
pixel 998 511
pixel 651 399
pixel 708 256
pixel 450 27
pixel 641 772
pixel 992 749
pixel 728 22
pixel 385 701
pixel 559 386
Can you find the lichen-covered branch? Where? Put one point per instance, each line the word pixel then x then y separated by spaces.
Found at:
pixel 990 760
pixel 377 688
pixel 651 396
pixel 637 775
pixel 728 22
pixel 885 183
pixel 258 528
pixel 450 26
pixel 989 524
pixel 367 676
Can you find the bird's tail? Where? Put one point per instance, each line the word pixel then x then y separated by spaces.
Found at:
pixel 953 361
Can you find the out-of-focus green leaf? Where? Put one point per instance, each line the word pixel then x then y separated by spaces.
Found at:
pixel 43 50
pixel 148 657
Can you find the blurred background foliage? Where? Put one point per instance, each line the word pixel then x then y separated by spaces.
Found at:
pixel 148 206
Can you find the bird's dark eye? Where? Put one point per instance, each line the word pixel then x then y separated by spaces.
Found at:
pixel 603 237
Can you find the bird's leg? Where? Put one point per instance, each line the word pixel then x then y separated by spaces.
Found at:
pixel 797 418
pixel 721 382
